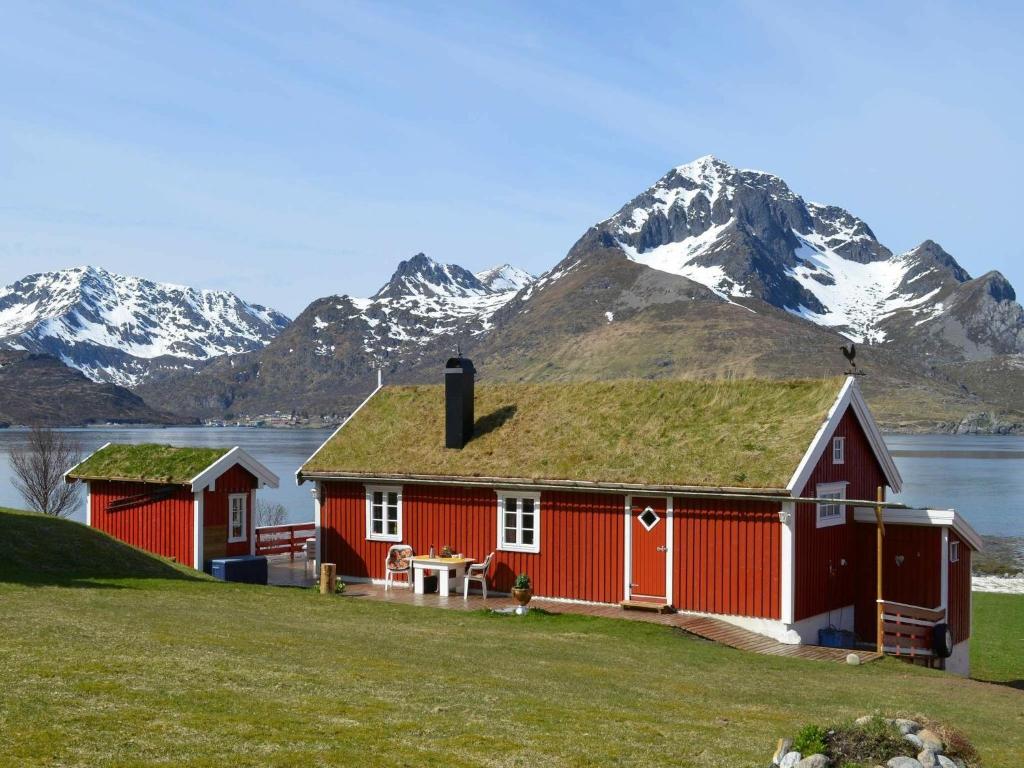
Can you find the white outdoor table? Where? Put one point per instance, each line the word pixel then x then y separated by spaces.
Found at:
pixel 454 568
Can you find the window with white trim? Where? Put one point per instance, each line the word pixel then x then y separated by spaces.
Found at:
pixel 383 513
pixel 954 551
pixel 838 450
pixel 519 522
pixel 831 512
pixel 238 509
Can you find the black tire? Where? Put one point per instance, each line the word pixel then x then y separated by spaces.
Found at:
pixel 942 641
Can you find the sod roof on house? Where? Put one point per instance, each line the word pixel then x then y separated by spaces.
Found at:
pixel 739 434
pixel 147 462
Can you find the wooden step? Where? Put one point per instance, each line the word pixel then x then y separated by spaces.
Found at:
pixel 646 605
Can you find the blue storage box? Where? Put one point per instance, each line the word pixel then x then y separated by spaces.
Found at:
pixel 837 638
pixel 248 569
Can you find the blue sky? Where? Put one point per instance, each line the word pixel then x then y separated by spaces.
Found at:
pixel 290 151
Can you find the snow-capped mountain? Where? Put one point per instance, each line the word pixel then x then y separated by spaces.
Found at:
pixel 746 234
pixel 116 328
pixel 322 360
pixel 423 301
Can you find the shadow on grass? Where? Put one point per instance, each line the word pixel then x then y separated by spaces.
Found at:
pixel 493 420
pixel 43 551
pixel 1016 684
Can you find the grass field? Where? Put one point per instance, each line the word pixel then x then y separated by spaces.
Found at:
pixel 98 668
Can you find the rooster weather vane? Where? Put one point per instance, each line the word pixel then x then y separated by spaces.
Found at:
pixel 850 353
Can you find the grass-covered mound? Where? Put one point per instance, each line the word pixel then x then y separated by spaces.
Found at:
pixel 35 549
pixel 146 462
pixel 681 433
pixel 189 671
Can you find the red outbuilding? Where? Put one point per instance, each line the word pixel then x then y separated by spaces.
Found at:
pixel 753 501
pixel 188 504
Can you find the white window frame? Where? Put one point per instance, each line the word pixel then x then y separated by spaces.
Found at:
pixel 515 546
pixel 954 551
pixel 245 517
pixel 826 490
pixel 384 535
pixel 838 450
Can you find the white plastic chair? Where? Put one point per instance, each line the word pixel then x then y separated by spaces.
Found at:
pixel 477 572
pixel 398 562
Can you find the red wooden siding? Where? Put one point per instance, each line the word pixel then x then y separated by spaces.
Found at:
pixel 647 575
pixel 959 615
pixel 727 557
pixel 162 527
pixel 915 581
pixel 581 545
pixel 215 507
pixel 823 583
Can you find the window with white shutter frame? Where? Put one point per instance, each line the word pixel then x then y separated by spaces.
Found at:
pixel 238 512
pixel 518 521
pixel 832 511
pixel 383 513
pixel 839 450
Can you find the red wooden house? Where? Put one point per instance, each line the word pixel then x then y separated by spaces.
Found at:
pixel 752 501
pixel 188 504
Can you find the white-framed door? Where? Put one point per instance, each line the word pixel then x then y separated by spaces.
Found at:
pixel 649 553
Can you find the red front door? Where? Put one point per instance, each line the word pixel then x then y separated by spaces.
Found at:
pixel 649 550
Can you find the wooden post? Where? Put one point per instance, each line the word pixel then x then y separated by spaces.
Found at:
pixel 328 574
pixel 880 537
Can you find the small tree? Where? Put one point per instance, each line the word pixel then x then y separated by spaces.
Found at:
pixel 39 466
pixel 270 514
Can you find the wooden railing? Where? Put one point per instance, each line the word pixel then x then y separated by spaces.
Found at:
pixel 908 630
pixel 283 539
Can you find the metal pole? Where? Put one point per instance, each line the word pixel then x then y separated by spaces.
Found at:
pixel 880 536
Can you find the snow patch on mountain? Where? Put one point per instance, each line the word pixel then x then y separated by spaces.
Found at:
pixel 425 300
pixel 109 325
pixel 858 296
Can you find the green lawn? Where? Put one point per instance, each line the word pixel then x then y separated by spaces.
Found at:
pixel 100 669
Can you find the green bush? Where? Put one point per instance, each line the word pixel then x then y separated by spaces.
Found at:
pixel 810 740
pixel 522 582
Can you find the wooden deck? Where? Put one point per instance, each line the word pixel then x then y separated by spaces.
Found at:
pixel 286 573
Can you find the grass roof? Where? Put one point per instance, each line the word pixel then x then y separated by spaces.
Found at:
pixel 147 462
pixel 741 433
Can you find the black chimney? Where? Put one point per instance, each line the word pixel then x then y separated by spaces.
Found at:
pixel 458 401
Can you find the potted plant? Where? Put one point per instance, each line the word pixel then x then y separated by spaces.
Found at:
pixel 522 592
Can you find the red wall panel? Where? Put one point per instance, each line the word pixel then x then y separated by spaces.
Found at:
pixel 911 570
pixel 162 527
pixel 581 545
pixel 727 557
pixel 959 615
pixel 215 505
pixel 726 554
pixel 823 582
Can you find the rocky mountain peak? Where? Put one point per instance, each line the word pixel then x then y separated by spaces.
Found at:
pixel 114 328
pixel 421 275
pixel 505 277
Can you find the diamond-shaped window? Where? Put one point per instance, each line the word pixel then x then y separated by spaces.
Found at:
pixel 649 518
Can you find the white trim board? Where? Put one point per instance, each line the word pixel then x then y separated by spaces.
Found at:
pixel 236 455
pixel 72 469
pixel 849 396
pixel 942 517
pixel 198 515
pixel 299 479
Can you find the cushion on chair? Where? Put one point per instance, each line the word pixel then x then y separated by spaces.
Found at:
pixel 398 559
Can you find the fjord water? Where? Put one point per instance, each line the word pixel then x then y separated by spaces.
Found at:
pixel 981 476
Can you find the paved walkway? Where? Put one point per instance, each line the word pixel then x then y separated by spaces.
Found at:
pixel 287 573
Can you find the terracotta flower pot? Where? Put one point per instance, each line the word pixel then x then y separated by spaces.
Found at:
pixel 522 596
